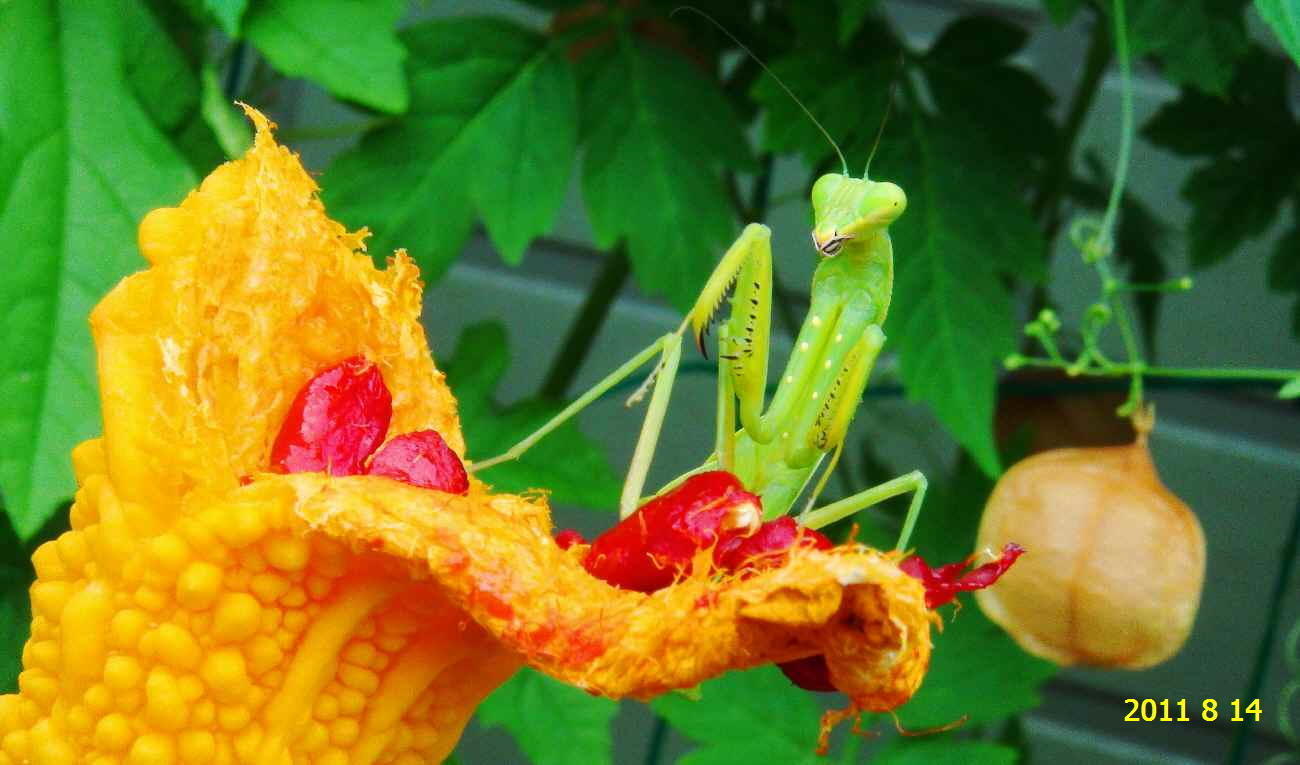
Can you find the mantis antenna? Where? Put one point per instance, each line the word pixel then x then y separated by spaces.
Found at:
pixel 889 105
pixel 843 162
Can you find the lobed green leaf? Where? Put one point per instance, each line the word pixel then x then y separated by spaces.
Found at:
pixel 1283 17
pixel 1251 146
pixel 1198 41
pixel 968 61
pixel 950 257
pixel 228 14
pixel 348 47
pixel 845 87
pixel 755 715
pixel 944 750
pixel 657 132
pixel 852 15
pixel 492 130
pixel 553 723
pixel 99 89
pixel 1062 11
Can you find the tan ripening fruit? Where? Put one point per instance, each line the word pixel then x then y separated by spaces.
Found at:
pixel 1114 560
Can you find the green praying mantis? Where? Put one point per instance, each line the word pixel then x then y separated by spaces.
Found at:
pixel 777 450
pixel 779 445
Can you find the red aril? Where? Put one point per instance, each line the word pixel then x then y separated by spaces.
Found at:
pixel 943 583
pixel 335 422
pixel 766 547
pixel 650 548
pixel 421 459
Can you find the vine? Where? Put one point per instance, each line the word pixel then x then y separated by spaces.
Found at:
pixel 1095 241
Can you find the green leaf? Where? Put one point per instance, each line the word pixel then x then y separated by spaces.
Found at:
pixel 846 89
pixel 553 723
pixel 227 13
pixel 16 576
pixel 1198 41
pixel 227 123
pixel 492 128
pixel 1236 198
pixel 349 47
pixel 944 750
pixel 657 132
pixel 1290 390
pixel 752 716
pixel 1253 144
pixel 1283 16
pixel 852 15
pixel 566 463
pixel 15 624
pixel 969 61
pixel 1062 11
pixel 971 656
pixel 88 158
pixel 954 322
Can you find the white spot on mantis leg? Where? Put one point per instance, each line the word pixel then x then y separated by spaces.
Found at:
pixel 827 365
pixel 789 378
pixel 839 337
pixel 785 435
pixel 816 321
pixel 803 346
pixel 814 395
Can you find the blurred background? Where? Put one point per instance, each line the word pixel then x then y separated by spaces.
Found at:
pixel 567 174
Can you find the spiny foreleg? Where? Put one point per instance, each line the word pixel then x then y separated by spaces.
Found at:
pixel 744 346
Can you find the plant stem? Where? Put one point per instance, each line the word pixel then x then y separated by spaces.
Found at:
pixel 657 735
pixel 1046 203
pixel 1126 126
pixel 578 340
pixel 231 85
pixel 1241 737
pixel 1106 233
pixel 1200 373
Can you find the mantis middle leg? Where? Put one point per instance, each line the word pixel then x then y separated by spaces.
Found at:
pixel 669 350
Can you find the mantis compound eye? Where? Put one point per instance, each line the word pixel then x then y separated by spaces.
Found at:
pixel 830 247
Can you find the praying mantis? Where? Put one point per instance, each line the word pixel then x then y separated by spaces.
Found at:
pixel 779 445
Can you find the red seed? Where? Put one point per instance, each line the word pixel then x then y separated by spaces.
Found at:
pixel 766 547
pixel 568 538
pixel 943 583
pixel 421 459
pixel 335 422
pixel 649 549
pixel 810 673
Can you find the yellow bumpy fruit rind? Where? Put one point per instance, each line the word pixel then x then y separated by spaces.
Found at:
pixel 201 610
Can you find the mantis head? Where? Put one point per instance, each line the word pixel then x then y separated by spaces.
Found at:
pixel 847 208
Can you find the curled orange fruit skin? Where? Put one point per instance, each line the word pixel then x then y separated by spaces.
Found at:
pixel 206 610
pixel 1116 561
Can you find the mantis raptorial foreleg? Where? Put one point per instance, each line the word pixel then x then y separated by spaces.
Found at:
pixel 669 350
pixel 914 482
pixel 745 337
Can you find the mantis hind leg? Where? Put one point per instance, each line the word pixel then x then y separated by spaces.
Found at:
pixel 912 482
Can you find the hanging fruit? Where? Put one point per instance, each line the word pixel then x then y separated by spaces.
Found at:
pixel 1118 563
